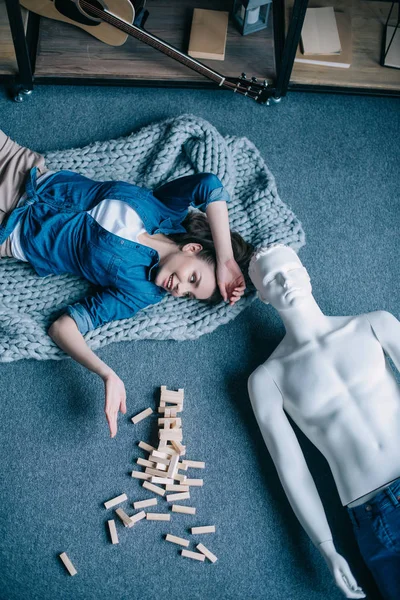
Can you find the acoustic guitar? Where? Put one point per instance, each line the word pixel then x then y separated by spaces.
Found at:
pixel 113 21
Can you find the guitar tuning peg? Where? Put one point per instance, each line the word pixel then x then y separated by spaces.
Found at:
pixel 254 79
pixel 243 76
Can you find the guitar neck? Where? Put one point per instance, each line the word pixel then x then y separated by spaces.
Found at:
pixel 152 40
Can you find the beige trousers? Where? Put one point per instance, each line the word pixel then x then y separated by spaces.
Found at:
pixel 15 164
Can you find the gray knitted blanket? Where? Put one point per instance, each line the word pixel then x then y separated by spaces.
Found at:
pixel 155 154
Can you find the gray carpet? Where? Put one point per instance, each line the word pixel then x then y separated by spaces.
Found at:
pixel 336 162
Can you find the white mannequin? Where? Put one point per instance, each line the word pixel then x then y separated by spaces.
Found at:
pixel 331 376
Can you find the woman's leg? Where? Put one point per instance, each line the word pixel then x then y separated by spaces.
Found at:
pixel 15 164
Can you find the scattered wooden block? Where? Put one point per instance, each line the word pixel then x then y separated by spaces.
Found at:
pixel 144 503
pixel 163 481
pixel 194 555
pixel 124 517
pixel 176 488
pixel 145 463
pixel 158 516
pixel 182 466
pixel 142 415
pixel 177 540
pixel 207 553
pixel 140 475
pixel 194 482
pixel 154 488
pixel 159 460
pixel 181 450
pixel 113 531
pixel 205 529
pixel 173 466
pixel 167 435
pixel 180 508
pixel 155 472
pixel 180 477
pixel 171 395
pixel 68 564
pixel 169 450
pixel 138 517
pixel 195 464
pixel 145 446
pixel 183 496
pixel 115 501
pixel 158 454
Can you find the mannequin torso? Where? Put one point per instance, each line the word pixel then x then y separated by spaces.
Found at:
pixel 351 410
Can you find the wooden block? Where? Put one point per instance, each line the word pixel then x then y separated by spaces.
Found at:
pixel 142 415
pixel 178 400
pixel 158 516
pixel 145 463
pixel 177 488
pixel 124 517
pixel 155 472
pixel 194 482
pixel 161 467
pixel 163 481
pixel 187 510
pixel 194 555
pixel 140 475
pixel 181 450
pixel 180 477
pixel 115 501
pixel 159 460
pixel 68 564
pixel 207 553
pixel 138 517
pixel 158 454
pixel 195 464
pixel 206 529
pixel 169 450
pixel 113 531
pixel 177 540
pixel 176 420
pixel 145 446
pixel 144 503
pixel 182 467
pixel 154 488
pixel 171 395
pixel 170 434
pixel 173 466
pixel 162 403
pixel 183 496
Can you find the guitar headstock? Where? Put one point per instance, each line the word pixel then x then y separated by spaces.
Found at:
pixel 251 88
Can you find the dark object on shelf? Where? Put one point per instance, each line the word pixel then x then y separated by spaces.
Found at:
pixel 391 41
pixel 251 15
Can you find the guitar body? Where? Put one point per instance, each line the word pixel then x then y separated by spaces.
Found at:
pixel 69 12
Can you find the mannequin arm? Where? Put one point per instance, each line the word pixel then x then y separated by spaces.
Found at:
pixel 287 455
pixel 296 479
pixel 387 330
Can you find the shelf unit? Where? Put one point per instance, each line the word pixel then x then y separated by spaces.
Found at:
pixel 365 74
pixel 56 52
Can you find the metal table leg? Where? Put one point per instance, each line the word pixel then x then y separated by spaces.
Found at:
pixel 24 85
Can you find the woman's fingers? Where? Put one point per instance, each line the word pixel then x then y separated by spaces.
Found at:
pixel 112 422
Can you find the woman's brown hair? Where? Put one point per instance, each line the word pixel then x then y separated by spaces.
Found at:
pixel 198 231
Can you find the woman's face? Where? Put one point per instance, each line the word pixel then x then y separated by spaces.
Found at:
pixel 183 273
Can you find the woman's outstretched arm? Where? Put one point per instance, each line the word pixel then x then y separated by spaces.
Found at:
pixel 65 333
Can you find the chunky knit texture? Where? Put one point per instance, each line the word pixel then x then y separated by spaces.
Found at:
pixel 156 154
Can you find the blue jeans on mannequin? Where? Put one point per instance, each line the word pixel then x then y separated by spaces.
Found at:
pixel 376 525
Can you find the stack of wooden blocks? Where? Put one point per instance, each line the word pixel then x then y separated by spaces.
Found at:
pixel 162 474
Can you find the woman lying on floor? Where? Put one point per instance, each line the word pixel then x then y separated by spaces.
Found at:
pixel 134 244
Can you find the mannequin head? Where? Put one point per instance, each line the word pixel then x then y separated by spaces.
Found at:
pixel 279 277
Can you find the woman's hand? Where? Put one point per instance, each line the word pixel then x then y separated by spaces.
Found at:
pixel 115 400
pixel 230 281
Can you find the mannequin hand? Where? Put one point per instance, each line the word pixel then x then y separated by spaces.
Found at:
pixel 340 570
pixel 115 400
pixel 230 281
